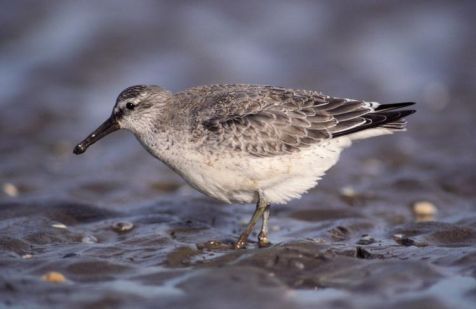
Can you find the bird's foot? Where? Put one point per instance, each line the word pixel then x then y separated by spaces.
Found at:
pixel 263 240
pixel 241 243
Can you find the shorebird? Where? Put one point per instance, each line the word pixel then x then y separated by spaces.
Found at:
pixel 247 143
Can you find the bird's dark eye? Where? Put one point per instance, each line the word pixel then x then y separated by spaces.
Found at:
pixel 130 105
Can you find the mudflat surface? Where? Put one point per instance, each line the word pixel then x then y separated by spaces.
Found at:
pixel 121 230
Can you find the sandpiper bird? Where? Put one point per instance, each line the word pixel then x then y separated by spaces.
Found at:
pixel 247 143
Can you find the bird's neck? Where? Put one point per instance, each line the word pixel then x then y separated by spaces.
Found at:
pixel 162 142
pixel 165 135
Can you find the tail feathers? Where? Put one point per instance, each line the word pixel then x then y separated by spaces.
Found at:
pixel 382 117
pixel 398 125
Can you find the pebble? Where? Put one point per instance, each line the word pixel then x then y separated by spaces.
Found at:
pixel 10 189
pixel 53 276
pixel 366 240
pixel 424 211
pixel 122 227
pixel 26 256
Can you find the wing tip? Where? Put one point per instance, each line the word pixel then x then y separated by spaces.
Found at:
pixel 391 106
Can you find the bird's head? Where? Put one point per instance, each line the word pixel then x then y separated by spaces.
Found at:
pixel 135 108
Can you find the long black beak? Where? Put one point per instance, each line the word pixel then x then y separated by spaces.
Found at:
pixel 108 126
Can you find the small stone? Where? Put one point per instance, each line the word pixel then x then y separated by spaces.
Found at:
pixel 424 211
pixel 122 227
pixel 89 239
pixel 366 240
pixel 26 256
pixel 53 276
pixel 348 191
pixel 59 226
pixel 10 189
pixel 403 240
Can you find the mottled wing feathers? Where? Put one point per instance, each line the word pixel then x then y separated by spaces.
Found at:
pixel 267 121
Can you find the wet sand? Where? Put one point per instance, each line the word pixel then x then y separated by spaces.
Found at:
pixel 115 228
pixel 318 256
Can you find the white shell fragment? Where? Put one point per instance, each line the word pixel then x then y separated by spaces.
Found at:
pixel 122 227
pixel 59 226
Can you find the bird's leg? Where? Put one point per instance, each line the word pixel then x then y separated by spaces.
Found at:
pixel 263 240
pixel 260 209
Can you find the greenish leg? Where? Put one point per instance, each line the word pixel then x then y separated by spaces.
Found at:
pixel 260 209
pixel 263 240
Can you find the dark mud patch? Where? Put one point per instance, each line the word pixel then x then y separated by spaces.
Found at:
pixel 440 233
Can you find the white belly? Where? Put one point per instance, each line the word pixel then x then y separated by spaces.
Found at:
pixel 238 178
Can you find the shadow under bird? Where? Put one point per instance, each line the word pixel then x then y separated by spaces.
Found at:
pixel 247 143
